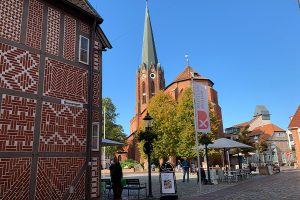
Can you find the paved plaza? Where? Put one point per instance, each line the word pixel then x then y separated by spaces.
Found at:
pixel 285 185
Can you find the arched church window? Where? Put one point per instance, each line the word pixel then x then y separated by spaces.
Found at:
pixel 143 93
pixel 152 88
pixel 143 88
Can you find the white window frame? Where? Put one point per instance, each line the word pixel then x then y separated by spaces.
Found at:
pixel 88 50
pixel 97 136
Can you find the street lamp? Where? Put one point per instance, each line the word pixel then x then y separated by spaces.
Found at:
pixel 148 148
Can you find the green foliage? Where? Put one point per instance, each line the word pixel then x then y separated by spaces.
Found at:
pixel 244 138
pixel 149 136
pixel 129 163
pixel 113 131
pixel 162 108
pixel 262 146
pixel 185 123
pixel 205 139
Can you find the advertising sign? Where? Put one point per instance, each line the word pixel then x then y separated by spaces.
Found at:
pixel 202 120
pixel 167 183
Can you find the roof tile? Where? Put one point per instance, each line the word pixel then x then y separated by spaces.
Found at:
pixel 295 122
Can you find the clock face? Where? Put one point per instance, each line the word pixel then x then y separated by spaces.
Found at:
pixel 143 76
pixel 152 75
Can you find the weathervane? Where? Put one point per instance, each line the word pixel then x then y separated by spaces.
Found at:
pixel 187 59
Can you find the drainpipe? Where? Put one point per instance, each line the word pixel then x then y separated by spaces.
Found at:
pixel 90 115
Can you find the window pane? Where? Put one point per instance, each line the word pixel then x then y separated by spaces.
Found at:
pixel 84 43
pixel 83 56
pixel 95 130
pixel 94 143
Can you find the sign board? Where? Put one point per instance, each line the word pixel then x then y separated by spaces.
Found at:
pixel 201 108
pixel 71 103
pixel 167 183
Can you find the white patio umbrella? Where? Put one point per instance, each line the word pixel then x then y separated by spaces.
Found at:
pixel 224 143
pixel 107 142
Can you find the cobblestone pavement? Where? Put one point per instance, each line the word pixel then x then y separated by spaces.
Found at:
pixel 285 185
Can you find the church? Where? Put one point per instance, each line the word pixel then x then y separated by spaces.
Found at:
pixel 150 79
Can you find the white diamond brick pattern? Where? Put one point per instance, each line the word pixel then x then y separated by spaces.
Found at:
pixel 19 69
pixel 11 19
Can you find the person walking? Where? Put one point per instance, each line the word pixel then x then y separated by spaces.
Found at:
pixel 116 180
pixel 185 167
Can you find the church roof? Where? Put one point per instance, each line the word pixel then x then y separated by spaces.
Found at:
pixel 295 122
pixel 149 51
pixel 86 6
pixel 186 74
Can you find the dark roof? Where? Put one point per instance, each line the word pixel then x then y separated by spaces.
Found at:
pixel 295 122
pixel 86 6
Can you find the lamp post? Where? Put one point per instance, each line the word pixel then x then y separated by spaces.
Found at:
pixel 148 148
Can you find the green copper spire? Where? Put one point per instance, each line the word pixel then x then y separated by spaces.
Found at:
pixel 149 51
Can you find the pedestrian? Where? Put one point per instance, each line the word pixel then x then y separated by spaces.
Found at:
pixel 185 167
pixel 111 167
pixel 116 180
pixel 178 165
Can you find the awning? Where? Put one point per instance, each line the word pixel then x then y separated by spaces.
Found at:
pixel 107 142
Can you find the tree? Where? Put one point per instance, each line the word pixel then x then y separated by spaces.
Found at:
pixel 244 138
pixel 262 147
pixel 113 131
pixel 185 123
pixel 162 108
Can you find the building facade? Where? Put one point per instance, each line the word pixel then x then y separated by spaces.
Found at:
pixel 150 79
pixel 50 92
pixel 294 137
pixel 261 128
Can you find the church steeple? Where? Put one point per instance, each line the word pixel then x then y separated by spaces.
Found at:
pixel 149 52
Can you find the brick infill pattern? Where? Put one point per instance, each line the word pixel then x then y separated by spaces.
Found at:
pixel 53 31
pixel 17 118
pixel 14 178
pixel 65 81
pixel 11 19
pixel 18 69
pixel 69 38
pixel 55 176
pixel 63 128
pixel 34 27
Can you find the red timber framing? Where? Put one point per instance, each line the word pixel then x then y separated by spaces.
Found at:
pixel 49 100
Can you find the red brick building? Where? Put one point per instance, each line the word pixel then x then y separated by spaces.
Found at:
pixel 150 79
pixel 294 127
pixel 50 92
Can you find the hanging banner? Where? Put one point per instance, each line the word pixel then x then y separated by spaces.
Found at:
pixel 202 120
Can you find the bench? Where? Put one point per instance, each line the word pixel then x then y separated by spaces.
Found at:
pixel 108 186
pixel 134 184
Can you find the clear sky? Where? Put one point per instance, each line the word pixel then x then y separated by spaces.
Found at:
pixel 249 49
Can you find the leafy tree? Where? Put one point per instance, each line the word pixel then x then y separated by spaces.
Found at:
pixel 244 138
pixel 162 108
pixel 185 123
pixel 113 131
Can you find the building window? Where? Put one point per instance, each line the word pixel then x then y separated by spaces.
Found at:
pixel 144 99
pixel 152 88
pixel 144 93
pixel 84 45
pixel 95 137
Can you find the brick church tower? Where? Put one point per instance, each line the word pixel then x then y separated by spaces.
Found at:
pixel 149 80
pixel 149 75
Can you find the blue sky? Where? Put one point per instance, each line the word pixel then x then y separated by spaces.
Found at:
pixel 249 49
